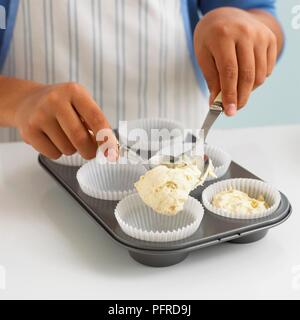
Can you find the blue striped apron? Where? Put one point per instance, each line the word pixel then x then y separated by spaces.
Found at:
pixel 133 56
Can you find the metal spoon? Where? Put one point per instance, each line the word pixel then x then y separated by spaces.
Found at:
pixel 215 110
pixel 213 114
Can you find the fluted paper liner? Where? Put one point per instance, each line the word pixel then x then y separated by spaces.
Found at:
pixel 108 181
pixel 141 222
pixel 221 161
pixel 74 160
pixel 147 125
pixel 254 188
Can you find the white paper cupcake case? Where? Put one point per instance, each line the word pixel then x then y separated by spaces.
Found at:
pixel 221 160
pixel 75 160
pixel 254 188
pixel 139 221
pixel 147 125
pixel 108 181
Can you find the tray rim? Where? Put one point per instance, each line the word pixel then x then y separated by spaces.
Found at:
pixel 209 241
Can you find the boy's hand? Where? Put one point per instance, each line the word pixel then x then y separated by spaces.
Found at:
pixel 236 52
pixel 56 120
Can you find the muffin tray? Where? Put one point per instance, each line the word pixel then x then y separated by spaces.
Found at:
pixel 213 230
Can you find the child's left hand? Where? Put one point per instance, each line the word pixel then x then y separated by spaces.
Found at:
pixel 236 52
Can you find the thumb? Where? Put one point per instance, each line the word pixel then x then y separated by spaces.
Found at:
pixel 229 104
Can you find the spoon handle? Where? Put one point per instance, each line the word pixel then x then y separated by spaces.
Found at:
pixel 213 114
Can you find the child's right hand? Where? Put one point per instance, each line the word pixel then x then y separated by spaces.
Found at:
pixel 56 119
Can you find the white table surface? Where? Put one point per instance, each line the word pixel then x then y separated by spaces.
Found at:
pixel 49 248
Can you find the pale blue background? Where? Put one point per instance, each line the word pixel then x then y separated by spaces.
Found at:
pixel 277 101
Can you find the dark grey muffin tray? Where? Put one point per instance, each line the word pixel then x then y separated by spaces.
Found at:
pixel 213 230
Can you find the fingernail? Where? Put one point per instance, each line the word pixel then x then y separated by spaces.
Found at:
pixel 231 109
pixel 112 155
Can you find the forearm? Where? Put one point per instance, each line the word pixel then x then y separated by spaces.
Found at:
pixel 272 23
pixel 12 92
